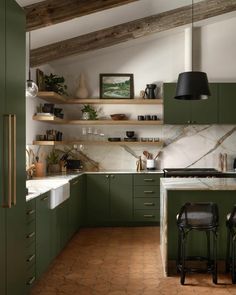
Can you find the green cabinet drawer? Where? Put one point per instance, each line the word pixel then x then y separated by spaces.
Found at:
pixel 30 233
pixel 30 211
pixel 30 277
pixel 144 191
pixel 147 179
pixel 147 215
pixel 147 203
pixel 30 260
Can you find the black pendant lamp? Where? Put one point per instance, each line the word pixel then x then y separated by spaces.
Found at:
pixel 31 89
pixel 192 85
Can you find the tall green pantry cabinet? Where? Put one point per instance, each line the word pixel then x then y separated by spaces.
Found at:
pixel 12 148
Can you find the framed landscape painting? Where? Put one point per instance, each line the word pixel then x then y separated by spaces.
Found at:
pixel 116 86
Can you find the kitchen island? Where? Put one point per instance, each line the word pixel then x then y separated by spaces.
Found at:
pixel 177 191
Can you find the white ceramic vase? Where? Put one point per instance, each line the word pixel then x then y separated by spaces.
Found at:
pixel 82 91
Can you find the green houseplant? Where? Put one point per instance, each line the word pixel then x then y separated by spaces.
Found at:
pixel 53 162
pixel 89 113
pixel 55 83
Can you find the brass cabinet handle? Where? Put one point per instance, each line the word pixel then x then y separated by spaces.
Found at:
pixel 9 161
pixel 148 192
pixel 30 258
pixel 30 212
pixel 13 117
pixel 30 282
pixel 148 179
pixel 44 198
pixel 29 236
pixel 148 204
pixel 107 176
pixel 75 182
pixel 148 215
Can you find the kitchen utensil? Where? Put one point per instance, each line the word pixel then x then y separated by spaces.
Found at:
pixel 147 154
pixel 129 134
pixel 157 155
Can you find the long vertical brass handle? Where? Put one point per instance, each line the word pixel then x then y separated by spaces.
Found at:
pixel 9 161
pixel 13 117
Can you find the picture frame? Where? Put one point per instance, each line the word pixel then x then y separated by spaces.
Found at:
pixel 40 80
pixel 116 86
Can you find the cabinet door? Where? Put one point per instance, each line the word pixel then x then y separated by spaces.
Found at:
pixel 175 111
pixel 227 103
pixel 206 111
pixel 63 223
pixel 82 190
pixel 2 99
pixel 43 234
pixel 97 198
pixel 74 207
pixel 121 194
pixel 15 104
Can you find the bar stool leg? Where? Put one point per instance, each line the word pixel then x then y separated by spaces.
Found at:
pixel 233 260
pixel 183 250
pixel 228 251
pixel 208 249
pixel 214 274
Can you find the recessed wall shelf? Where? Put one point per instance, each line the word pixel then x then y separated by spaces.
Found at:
pixel 53 97
pixel 52 143
pixel 55 120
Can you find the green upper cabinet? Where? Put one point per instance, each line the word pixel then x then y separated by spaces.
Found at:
pixel 121 197
pixel 190 112
pixel 227 103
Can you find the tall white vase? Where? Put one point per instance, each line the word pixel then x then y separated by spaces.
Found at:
pixel 82 91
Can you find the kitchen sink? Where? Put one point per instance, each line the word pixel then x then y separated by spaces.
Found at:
pixel 59 189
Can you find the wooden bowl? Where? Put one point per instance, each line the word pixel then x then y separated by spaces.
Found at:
pixel 118 117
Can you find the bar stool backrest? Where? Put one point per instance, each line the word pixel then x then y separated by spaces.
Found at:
pixel 198 216
pixel 232 217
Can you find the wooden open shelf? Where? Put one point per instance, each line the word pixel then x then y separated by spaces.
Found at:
pixel 53 97
pixel 53 143
pixel 55 120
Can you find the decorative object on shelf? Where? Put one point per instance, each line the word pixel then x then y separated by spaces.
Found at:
pixel 150 91
pixel 53 162
pixel 114 139
pixel 39 169
pixel 58 113
pixel 48 108
pixel 192 85
pixel 118 117
pixel 116 86
pixel 55 83
pixel 82 91
pixel 89 113
pixel 31 87
pixel 40 80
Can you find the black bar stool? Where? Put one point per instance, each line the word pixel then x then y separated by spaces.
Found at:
pixel 198 217
pixel 231 242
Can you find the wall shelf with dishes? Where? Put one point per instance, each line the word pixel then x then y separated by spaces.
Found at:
pixel 119 143
pixel 54 97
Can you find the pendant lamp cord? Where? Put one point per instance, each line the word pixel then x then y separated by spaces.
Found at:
pixel 29 55
pixel 192 29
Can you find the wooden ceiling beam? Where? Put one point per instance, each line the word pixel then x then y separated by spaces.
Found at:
pixel 51 12
pixel 131 30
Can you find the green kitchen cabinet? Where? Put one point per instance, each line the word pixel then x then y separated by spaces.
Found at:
pixel 109 198
pixel 227 103
pixel 59 228
pixel 75 205
pixel 43 233
pixel 190 112
pixel 12 185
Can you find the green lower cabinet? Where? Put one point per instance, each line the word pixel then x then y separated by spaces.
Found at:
pixel 121 197
pixel 74 207
pixel 59 228
pixel 43 233
pixel 109 198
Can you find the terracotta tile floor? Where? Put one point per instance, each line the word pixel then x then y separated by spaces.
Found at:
pixel 120 261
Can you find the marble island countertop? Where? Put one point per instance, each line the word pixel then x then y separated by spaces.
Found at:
pixel 198 183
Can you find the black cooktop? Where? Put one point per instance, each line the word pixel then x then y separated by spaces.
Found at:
pixel 197 172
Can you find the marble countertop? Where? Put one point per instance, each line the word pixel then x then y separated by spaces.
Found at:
pixel 198 183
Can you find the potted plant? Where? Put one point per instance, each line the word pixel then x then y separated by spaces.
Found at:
pixel 89 113
pixel 53 162
pixel 55 83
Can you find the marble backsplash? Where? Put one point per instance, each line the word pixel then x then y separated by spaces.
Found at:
pixel 183 146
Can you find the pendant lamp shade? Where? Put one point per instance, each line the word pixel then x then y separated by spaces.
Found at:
pixel 192 86
pixel 31 89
